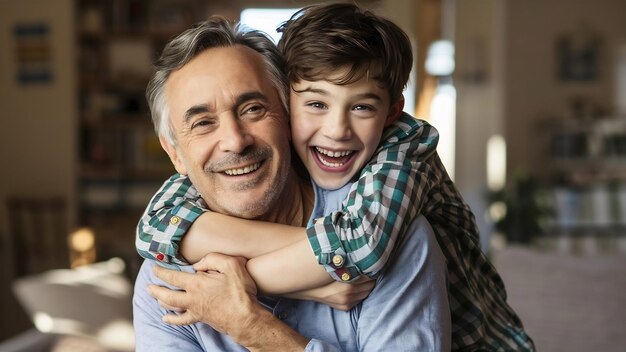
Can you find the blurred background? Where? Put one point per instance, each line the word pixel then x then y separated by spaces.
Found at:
pixel 529 98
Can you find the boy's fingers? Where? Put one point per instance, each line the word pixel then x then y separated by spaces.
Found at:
pixel 366 286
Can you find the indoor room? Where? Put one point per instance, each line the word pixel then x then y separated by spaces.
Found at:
pixel 529 98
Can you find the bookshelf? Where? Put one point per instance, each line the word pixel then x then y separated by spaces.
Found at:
pixel 120 161
pixel 585 186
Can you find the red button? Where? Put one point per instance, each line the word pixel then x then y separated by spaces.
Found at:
pixel 160 256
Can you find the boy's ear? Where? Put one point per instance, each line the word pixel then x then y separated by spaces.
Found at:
pixel 394 111
pixel 173 154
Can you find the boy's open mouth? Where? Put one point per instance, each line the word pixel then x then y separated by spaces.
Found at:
pixel 332 159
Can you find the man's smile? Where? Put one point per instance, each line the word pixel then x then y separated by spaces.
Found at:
pixel 243 170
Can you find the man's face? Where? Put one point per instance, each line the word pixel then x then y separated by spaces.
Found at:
pixel 231 131
pixel 337 128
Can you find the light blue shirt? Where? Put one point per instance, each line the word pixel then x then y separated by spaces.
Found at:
pixel 408 309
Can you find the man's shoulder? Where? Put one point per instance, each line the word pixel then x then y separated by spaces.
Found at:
pixel 420 232
pixel 418 242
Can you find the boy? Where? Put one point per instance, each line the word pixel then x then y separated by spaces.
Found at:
pixel 347 69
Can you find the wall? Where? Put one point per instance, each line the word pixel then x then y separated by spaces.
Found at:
pixel 479 79
pixel 532 92
pixel 38 123
pixel 520 91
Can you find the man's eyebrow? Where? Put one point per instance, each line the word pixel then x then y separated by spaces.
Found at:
pixel 241 99
pixel 195 110
pixel 247 96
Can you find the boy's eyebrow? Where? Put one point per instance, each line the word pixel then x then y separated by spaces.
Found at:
pixel 369 96
pixel 312 90
pixel 324 92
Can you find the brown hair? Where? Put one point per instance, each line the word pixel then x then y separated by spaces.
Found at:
pixel 319 40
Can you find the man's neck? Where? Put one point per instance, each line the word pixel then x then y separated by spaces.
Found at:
pixel 295 205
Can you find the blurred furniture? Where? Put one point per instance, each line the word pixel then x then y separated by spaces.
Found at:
pixel 88 308
pixel 38 233
pixel 567 302
pixel 584 159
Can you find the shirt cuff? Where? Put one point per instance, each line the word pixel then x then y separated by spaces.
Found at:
pixel 330 254
pixel 339 266
pixel 165 245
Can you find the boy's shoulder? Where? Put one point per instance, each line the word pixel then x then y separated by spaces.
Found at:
pixel 407 128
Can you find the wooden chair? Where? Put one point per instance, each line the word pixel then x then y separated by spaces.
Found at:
pixel 37 233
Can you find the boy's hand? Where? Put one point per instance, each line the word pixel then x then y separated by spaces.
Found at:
pixel 338 295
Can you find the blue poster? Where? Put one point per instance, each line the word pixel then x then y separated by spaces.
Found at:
pixel 33 53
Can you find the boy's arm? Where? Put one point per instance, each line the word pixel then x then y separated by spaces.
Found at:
pixel 170 213
pixel 359 238
pixel 215 232
pixel 391 190
pixel 177 211
pixel 282 262
pixel 176 228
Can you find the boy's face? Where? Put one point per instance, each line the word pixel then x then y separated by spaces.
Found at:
pixel 337 128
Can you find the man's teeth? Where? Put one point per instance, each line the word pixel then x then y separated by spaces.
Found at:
pixel 333 154
pixel 243 170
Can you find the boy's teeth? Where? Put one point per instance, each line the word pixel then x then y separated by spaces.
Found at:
pixel 332 154
pixel 329 164
pixel 243 170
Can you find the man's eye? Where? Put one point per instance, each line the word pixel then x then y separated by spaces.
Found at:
pixel 202 123
pixel 254 110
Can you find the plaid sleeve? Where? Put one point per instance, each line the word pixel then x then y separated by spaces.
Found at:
pixel 390 192
pixel 167 218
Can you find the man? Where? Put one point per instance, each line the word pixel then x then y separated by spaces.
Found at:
pixel 218 102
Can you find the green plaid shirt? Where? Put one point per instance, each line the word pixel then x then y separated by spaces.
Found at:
pixel 404 178
pixel 170 213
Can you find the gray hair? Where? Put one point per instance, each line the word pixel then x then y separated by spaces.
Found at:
pixel 212 33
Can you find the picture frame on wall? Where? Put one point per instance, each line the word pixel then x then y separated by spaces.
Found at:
pixel 578 55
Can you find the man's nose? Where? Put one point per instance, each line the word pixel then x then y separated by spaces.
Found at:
pixel 234 136
pixel 338 126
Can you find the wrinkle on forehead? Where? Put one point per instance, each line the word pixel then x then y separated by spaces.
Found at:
pixel 224 72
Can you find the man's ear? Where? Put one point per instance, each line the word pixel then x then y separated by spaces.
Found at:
pixel 394 111
pixel 173 154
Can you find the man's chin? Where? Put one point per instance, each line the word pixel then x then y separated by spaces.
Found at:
pixel 246 211
pixel 247 204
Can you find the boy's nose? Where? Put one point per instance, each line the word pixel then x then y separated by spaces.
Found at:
pixel 337 126
pixel 234 137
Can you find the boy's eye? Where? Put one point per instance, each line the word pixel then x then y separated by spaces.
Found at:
pixel 317 105
pixel 363 107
